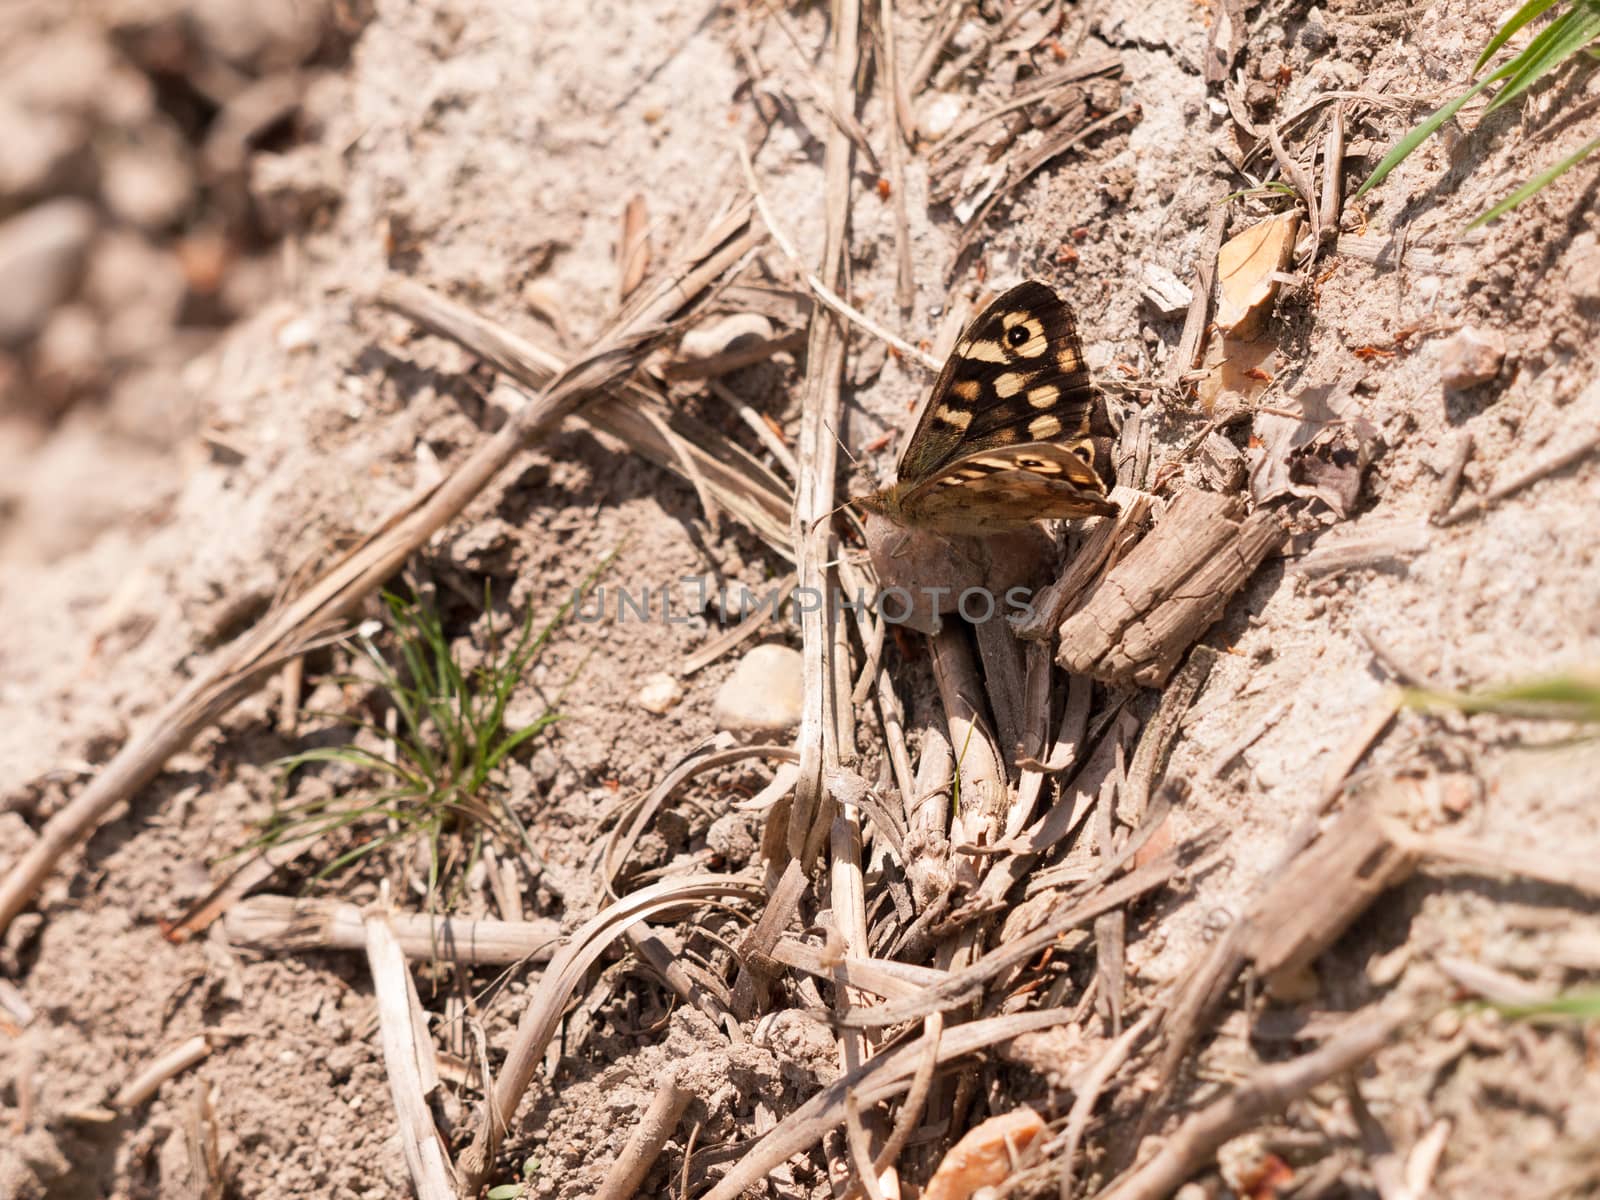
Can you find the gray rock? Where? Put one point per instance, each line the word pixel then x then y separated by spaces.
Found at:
pixel 764 694
pixel 1470 356
pixel 42 253
pixel 1583 268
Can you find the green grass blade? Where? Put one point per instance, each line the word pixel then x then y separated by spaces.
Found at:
pixel 1580 1005
pixel 1403 148
pixel 1528 12
pixel 1537 184
pixel 1569 33
pixel 1574 697
pixel 354 756
pixel 498 753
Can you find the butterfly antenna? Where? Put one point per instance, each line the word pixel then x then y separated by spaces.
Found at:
pixel 854 461
pixel 827 516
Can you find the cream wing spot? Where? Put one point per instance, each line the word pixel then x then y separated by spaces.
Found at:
pixel 955 418
pixel 1044 427
pixel 1044 396
pixel 986 350
pixel 1068 360
pixel 1009 384
pixel 967 389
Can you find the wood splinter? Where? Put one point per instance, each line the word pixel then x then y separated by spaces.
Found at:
pixel 1137 622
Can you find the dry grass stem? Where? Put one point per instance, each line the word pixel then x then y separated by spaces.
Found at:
pixel 1268 1092
pixel 288 630
pixel 166 1065
pixel 408 1060
pixel 1453 849
pixel 631 412
pixel 288 923
pixel 566 970
pixel 1089 1088
pixel 1205 279
pixel 825 293
pixel 875 1081
pixel 1573 452
pixel 966 984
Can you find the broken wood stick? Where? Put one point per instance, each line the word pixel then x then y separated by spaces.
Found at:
pixel 1152 606
pixel 1043 615
pixel 288 923
pixel 408 1060
pixel 160 1069
pixel 644 1147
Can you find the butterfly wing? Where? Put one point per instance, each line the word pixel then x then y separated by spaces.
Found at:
pixel 1009 488
pixel 1016 376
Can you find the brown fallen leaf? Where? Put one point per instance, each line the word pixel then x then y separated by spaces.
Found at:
pixel 1246 267
pixel 986 1156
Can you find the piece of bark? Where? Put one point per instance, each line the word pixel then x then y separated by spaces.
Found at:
pixel 1332 882
pixel 1148 610
pixel 1043 613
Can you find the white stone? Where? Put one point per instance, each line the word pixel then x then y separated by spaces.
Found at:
pixel 707 341
pixel 764 694
pixel 41 259
pixel 660 693
pixel 939 115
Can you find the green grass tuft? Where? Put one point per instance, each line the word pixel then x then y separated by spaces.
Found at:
pixel 1575 29
pixel 438 779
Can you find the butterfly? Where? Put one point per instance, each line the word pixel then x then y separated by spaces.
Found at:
pixel 1012 432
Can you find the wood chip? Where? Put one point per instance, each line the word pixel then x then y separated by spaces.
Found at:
pixel 1140 619
pixel 1331 883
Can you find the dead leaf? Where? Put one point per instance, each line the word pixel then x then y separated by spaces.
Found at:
pixel 986 1157
pixel 1246 268
pixel 1321 454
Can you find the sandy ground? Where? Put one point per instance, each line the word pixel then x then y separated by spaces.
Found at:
pixel 182 434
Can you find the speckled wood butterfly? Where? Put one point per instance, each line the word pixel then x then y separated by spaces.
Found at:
pixel 1012 432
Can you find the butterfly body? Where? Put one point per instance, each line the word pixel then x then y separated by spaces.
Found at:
pixel 1006 437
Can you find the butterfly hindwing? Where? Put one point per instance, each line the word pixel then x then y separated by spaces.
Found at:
pixel 1016 375
pixel 1010 487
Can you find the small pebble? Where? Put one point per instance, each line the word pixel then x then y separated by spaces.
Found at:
pixel 764 694
pixel 1163 291
pixel 1470 356
pixel 1583 271
pixel 297 334
pixel 710 340
pixel 41 259
pixel 939 115
pixel 660 693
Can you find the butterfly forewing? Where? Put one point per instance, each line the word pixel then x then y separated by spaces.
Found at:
pixel 1007 436
pixel 1016 375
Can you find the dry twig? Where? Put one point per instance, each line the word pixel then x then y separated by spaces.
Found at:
pixel 1270 1091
